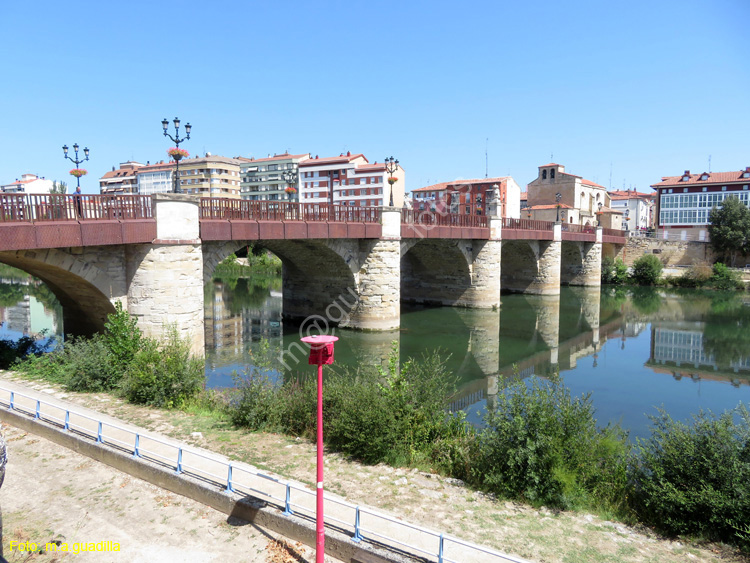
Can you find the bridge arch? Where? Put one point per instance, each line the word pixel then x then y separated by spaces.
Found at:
pixel 85 291
pixel 320 278
pixel 435 271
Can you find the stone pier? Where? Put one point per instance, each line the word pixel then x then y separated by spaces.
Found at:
pixel 165 279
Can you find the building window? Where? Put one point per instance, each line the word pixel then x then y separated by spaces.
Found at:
pixel 544 174
pixel 552 173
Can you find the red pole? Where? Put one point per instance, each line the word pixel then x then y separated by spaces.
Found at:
pixel 320 550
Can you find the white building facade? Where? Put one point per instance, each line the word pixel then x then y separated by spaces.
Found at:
pixel 28 184
pixel 264 179
pixel 349 179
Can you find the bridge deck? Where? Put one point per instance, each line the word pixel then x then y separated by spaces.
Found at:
pixel 61 220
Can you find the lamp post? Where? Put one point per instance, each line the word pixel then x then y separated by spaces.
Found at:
pixel 558 197
pixel 599 218
pixel 627 221
pixel 391 166
pixel 290 177
pixel 321 353
pixel 176 154
pixel 479 204
pixel 77 172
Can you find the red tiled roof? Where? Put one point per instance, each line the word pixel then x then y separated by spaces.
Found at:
pixel 332 160
pixel 433 188
pixel 627 194
pixel 550 206
pixel 285 156
pixel 695 179
pixel 369 168
pixel 550 164
pixel 588 182
pixel 470 181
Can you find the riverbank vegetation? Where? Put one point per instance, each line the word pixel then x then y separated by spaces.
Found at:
pixel 648 270
pixel 257 261
pixel 539 444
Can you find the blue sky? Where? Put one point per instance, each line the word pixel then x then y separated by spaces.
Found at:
pixel 632 90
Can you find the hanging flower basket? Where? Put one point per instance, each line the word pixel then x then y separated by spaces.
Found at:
pixel 78 172
pixel 392 180
pixel 177 153
pixel 290 190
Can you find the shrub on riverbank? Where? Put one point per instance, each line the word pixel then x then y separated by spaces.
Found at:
pixel 703 275
pixel 375 415
pixel 614 272
pixel 163 373
pixel 160 373
pixel 646 270
pixel 542 445
pixel 695 479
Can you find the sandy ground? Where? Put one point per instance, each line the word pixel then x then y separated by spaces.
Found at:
pixel 52 494
pixel 442 504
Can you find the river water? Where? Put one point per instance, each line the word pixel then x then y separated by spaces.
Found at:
pixel 633 349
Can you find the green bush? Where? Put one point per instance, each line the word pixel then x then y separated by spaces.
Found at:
pixel 122 337
pixel 646 270
pixel 697 275
pixel 614 272
pixel 163 374
pixel 725 278
pixel 255 401
pixel 695 479
pixel 543 446
pixel 392 415
pixel 80 364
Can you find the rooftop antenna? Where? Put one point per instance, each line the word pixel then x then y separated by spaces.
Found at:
pixel 709 163
pixel 486 161
pixel 610 175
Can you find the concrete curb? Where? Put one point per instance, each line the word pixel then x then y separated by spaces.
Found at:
pixel 247 508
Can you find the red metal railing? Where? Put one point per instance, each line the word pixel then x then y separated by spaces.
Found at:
pixel 527 224
pixel 614 233
pixel 240 209
pixel 573 228
pixel 23 208
pixel 442 219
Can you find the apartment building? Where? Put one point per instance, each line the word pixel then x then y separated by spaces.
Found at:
pixel 155 178
pixel 684 202
pixel 211 176
pixel 472 196
pixel 28 184
pixel 349 179
pixel 122 180
pixel 636 208
pixel 265 179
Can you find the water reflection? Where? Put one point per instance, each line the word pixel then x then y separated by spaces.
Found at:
pixel 611 343
pixel 27 307
pixel 632 349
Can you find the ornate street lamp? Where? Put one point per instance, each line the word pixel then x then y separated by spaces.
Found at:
pixel 177 153
pixel 627 221
pixel 558 197
pixel 599 218
pixel 391 166
pixel 77 172
pixel 290 177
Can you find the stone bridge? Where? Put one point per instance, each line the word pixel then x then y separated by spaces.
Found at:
pixel 348 265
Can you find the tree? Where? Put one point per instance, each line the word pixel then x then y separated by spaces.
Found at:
pixel 729 229
pixel 58 188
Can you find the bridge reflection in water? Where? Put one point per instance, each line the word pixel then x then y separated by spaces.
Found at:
pixel 530 334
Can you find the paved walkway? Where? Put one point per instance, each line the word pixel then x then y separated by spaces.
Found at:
pixel 217 472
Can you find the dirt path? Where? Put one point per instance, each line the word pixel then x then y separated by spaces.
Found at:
pixel 429 500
